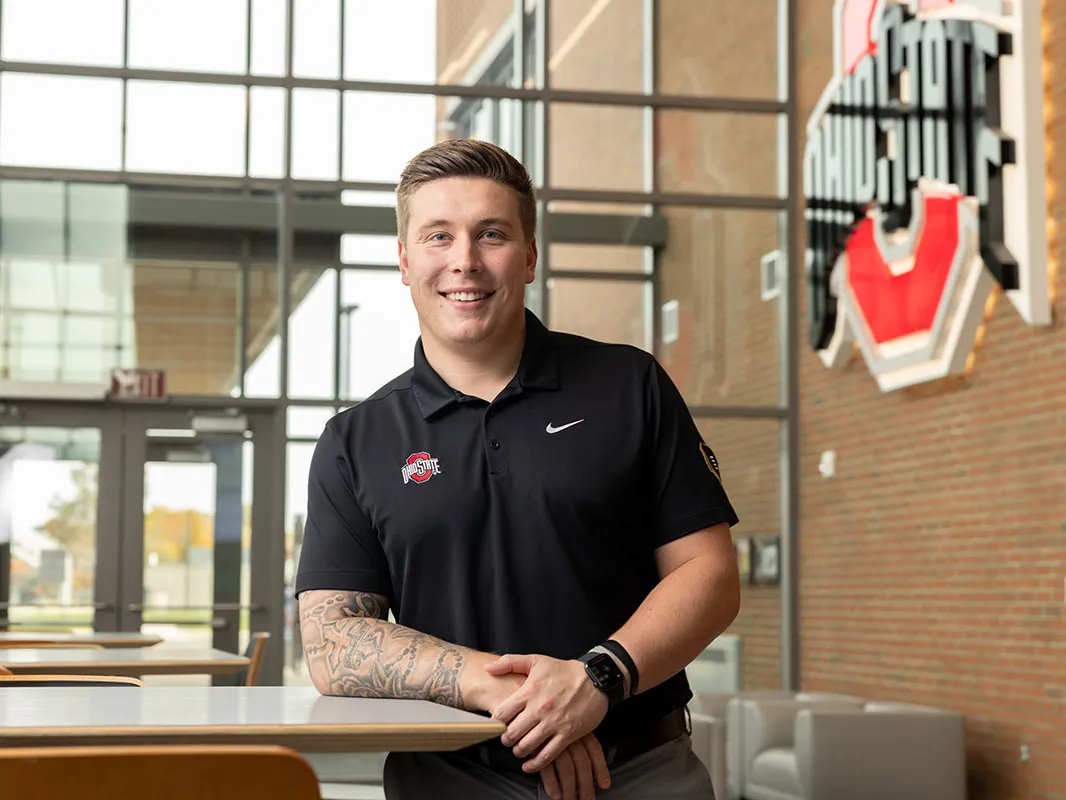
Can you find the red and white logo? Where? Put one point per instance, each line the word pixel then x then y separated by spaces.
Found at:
pixel 420 467
pixel 924 179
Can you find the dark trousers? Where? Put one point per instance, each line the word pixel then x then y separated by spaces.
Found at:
pixel 668 772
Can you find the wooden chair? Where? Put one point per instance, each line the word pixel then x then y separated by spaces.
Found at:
pixel 44 644
pixel 9 680
pixel 254 653
pixel 235 772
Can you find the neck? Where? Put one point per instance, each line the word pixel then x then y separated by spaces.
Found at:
pixel 480 370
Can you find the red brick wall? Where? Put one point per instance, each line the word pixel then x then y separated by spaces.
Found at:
pixel 933 563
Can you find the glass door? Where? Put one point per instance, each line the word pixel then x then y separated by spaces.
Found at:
pixel 198 560
pixel 59 518
pixel 141 517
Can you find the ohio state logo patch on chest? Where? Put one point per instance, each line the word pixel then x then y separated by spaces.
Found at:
pixel 419 468
pixel 924 178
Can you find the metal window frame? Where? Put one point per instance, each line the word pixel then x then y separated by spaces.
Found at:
pixel 534 110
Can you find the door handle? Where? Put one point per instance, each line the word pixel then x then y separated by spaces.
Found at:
pixel 94 606
pixel 217 607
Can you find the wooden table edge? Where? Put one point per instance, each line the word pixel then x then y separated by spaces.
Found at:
pixel 393 736
pixel 226 666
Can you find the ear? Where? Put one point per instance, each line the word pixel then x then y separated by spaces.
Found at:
pixel 402 252
pixel 531 260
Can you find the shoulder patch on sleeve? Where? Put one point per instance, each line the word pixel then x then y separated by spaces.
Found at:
pixel 711 461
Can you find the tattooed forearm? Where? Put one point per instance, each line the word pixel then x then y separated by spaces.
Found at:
pixel 352 651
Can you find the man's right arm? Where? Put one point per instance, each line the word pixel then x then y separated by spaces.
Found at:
pixel 353 651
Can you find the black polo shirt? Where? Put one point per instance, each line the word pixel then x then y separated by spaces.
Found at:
pixel 525 525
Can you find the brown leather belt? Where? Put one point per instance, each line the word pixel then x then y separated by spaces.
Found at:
pixel 495 756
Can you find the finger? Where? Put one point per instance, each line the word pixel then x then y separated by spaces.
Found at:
pixel 586 784
pixel 505 665
pixel 511 707
pixel 564 765
pixel 551 751
pixel 598 760
pixel 551 783
pixel 519 728
pixel 533 739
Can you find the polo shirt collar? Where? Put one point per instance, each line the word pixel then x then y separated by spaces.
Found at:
pixel 538 369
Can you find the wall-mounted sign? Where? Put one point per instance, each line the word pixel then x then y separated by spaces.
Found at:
pixel 138 384
pixel 924 180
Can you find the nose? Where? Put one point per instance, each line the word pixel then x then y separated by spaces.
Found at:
pixel 467 257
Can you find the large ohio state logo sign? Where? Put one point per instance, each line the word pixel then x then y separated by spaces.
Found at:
pixel 924 180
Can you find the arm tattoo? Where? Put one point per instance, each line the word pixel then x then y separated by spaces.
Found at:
pixel 351 651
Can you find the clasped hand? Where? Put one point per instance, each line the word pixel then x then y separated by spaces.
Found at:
pixel 555 709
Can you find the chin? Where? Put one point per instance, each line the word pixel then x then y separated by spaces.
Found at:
pixel 469 334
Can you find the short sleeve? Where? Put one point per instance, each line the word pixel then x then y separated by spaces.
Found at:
pixel 340 548
pixel 685 479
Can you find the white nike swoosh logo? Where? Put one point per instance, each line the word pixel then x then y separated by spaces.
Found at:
pixel 552 429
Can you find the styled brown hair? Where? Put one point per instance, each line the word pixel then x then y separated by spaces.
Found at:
pixel 466 158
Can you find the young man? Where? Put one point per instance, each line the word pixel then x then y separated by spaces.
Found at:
pixel 538 511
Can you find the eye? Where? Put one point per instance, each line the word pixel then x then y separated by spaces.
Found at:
pixel 493 234
pixel 437 237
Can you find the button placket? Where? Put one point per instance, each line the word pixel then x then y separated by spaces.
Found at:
pixel 494 449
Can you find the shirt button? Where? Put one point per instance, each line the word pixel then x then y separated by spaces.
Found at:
pixel 494 444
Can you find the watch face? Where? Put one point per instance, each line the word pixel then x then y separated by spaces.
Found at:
pixel 603 670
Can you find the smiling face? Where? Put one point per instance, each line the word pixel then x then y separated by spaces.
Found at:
pixel 467 260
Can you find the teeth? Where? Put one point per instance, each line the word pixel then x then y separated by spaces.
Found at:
pixel 466 296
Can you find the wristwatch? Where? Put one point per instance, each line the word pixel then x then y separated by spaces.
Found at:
pixel 605 676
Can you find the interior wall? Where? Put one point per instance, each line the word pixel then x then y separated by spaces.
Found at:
pixel 933 562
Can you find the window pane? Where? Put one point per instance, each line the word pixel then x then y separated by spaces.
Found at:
pixel 268 37
pixel 63 31
pixel 97 224
pixel 712 152
pixel 67 316
pixel 608 311
pixel 185 128
pixel 378 152
pixel 599 257
pixel 749 457
pixel 313 299
pixel 597 147
pixel 38 114
pixel 49 495
pixel 177 316
pixel 705 49
pixel 598 45
pixel 444 41
pixel 379 328
pixel 267 156
pixel 364 249
pixel 370 51
pixel 185 318
pixel 31 286
pixel 297 467
pixel 190 35
pixel 308 420
pixel 316 39
pixel 32 222
pixel 263 378
pixel 727 349
pixel 316 126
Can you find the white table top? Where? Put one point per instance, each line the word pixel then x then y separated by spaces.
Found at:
pixel 117 639
pixel 292 716
pixel 122 661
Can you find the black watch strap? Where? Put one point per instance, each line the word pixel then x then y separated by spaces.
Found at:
pixel 622 655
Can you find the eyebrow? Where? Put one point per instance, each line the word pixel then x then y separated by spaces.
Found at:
pixel 486 222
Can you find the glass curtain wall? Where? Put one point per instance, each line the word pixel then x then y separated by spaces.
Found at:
pixel 207 186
